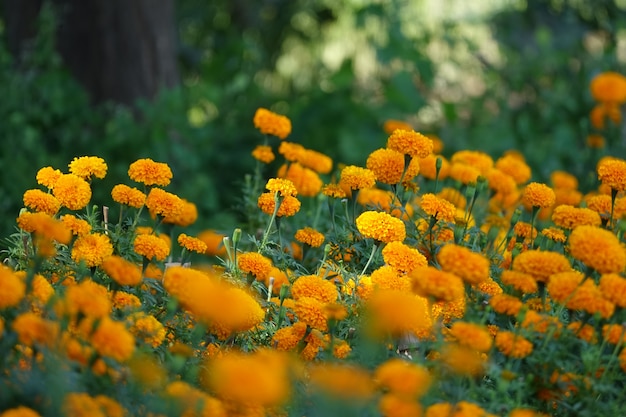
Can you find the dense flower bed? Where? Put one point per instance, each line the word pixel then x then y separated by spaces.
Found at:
pixel 412 285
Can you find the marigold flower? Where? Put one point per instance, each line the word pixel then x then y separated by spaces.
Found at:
pixel 567 196
pixel 80 404
pixel 472 267
pixel 390 125
pixel 33 329
pixel 72 191
pixel 263 153
pixel 129 196
pixel 149 173
pixel 192 244
pixel 344 381
pixel 123 300
pixel 292 152
pixel 357 178
pixel 568 217
pixel 462 360
pixel 479 160
pixel 388 278
pixel 437 207
pixel 554 234
pixel 20 411
pixel 47 176
pixel 307 182
pixel 514 166
pixel 428 167
pixel 613 288
pixel 282 186
pixel 41 289
pixel 77 226
pixel 162 203
pixel 603 111
pixel 563 180
pixel 287 338
pixel 87 298
pixel 214 241
pixel 147 328
pixel 539 322
pixel 584 332
pixel 389 166
pixel 513 345
pixel 538 195
pixel 609 87
pixel 410 143
pixel 270 123
pixel 310 236
pixel 506 304
pixel 381 226
pixel 92 248
pixel 541 264
pixel 334 191
pixel 316 161
pixel 194 401
pixel 520 281
pixel 614 333
pixel 500 182
pixel 122 271
pixel 612 173
pixel 403 378
pixel 341 349
pixel 316 287
pixel 471 335
pixel 88 166
pixel 454 196
pixel 256 264
pixel 402 257
pixel 44 225
pixel 598 249
pixel 431 282
pixel 151 246
pixel 577 293
pixel 310 310
pixel 289 205
pixel 393 312
pixel 38 200
pixel 112 339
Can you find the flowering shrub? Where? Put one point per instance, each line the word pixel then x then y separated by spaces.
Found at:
pixel 417 285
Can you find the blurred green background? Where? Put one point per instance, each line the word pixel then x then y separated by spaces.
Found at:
pixel 180 84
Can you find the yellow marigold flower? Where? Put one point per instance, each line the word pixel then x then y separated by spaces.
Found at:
pixel 307 182
pixel 147 328
pixel 357 178
pixel 314 286
pixel 539 322
pixel 568 217
pixel 538 195
pixel 389 166
pixel 334 191
pixel 151 246
pixel 381 226
pixel 489 287
pixel 506 304
pixel 282 186
pixel 463 173
pixel 462 360
pixel 513 345
pixel 280 279
pixel 191 243
pixel 376 198
pixel 454 196
pixel 403 378
pixel 310 236
pixel 446 311
pixel 609 87
pixel 554 234
pixel 311 311
pixel 500 182
pixel 289 205
pixel 598 249
pixel 541 264
pixel 603 111
pixel 316 161
pixel 123 300
pixel 33 329
pixel 38 200
pixel 256 264
pixel 341 349
pixel 614 333
pixel 77 226
pixel 148 172
pixel 410 143
pixel 344 381
pixel 565 180
pixel 612 173
pixel 393 312
pixel 585 332
pixel 41 289
pixel 391 125
pixel 129 196
pixel 520 281
pixel 270 123
pixel 214 242
pixel 472 267
pixel 48 176
pixel 287 338
pixel 20 411
pixel 431 282
pixel 292 152
pixel 566 196
pixel 72 191
pixel 165 204
pixel 263 153
pixel 613 288
pixel 122 271
pixel 388 278
pixel 87 298
pixel 437 207
pixel 525 230
pixel 113 340
pixel 44 225
pixel 471 335
pixel 402 257
pixel 92 248
pixel 428 167
pixel 576 294
pixel 477 159
pixel 88 166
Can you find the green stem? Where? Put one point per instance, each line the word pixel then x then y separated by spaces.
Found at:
pixel 270 224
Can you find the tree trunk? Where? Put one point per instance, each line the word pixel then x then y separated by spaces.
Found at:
pixel 119 50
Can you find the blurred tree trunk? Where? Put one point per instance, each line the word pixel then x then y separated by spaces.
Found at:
pixel 120 50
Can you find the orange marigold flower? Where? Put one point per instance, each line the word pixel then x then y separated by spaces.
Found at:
pixel 148 172
pixel 603 111
pixel 282 186
pixel 410 143
pixel 316 161
pixel 471 335
pixel 428 167
pixel 506 304
pixel 122 271
pixel 113 340
pixel 403 378
pixel 585 332
pixel 463 173
pixel 287 338
pixel 289 205
pixel 88 166
pixel 568 217
pixel 387 278
pixel 334 191
pixel 513 345
pixel 500 182
pixel 343 381
pixel 520 281
pixel 310 236
pixel 381 226
pixel 162 203
pixel 256 264
pixel 514 166
pixel 554 234
pixel 307 182
pixel 41 289
pixel 565 180
pixel 614 333
pixel 437 207
pixel 185 216
pixel 44 225
pixel 609 87
pixel 311 311
pixel 12 288
pixel 77 226
pixel 393 312
pixel 538 195
pixel 472 267
pixel 38 200
pixel 316 287
pixel 92 248
pixel 613 288
pixel 147 328
pixel 357 178
pixel 612 173
pixel 292 152
pixel 214 241
pixel 270 123
pixel 47 176
pixel 463 360
pixel 578 293
pixel 389 166
pixel 20 411
pixel 88 298
pixel 598 249
pixel 390 125
pixel 446 311
pixel 192 244
pixel 129 196
pixel 539 322
pixel 263 153
pixel 402 257
pixel 454 196
pixel 541 264
pixel 431 282
pixel 477 159
pixel 33 329
pixel 341 349
pixel 525 230
pixel 78 404
pixel 123 300
pixel 151 246
pixel 72 191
